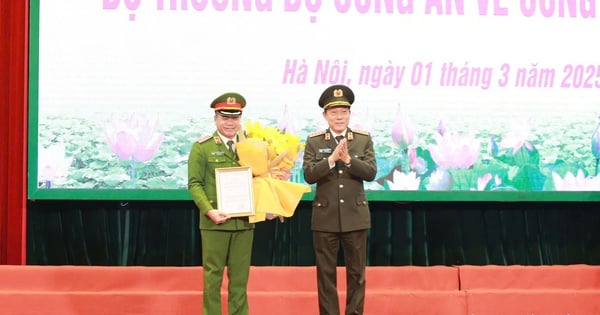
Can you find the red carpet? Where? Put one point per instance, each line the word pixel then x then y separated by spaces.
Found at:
pixel 465 290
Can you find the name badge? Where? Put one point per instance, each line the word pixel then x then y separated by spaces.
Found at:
pixel 326 150
pixel 217 153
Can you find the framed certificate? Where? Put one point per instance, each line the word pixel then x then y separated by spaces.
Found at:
pixel 235 194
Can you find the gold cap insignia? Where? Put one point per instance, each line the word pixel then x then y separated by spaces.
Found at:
pixel 231 100
pixel 338 93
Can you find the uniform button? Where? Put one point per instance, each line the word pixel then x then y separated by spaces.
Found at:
pixel 340 171
pixel 341 185
pixel 318 204
pixel 341 200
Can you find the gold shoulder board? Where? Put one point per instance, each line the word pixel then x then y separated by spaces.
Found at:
pixel 204 138
pixel 316 133
pixel 362 132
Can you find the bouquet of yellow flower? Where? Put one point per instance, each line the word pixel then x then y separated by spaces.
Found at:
pixel 271 154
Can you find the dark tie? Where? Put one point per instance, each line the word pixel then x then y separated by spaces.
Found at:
pixel 339 138
pixel 230 146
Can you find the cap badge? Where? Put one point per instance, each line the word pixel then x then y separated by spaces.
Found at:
pixel 338 93
pixel 230 100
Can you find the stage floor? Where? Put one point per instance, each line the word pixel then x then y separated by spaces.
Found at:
pixel 461 290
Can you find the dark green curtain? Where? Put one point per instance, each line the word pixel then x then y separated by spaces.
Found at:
pixel 165 233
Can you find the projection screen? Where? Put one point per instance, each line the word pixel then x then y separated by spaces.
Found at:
pixel 465 100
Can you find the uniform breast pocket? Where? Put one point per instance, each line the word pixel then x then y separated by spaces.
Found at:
pixel 357 155
pixel 322 156
pixel 218 161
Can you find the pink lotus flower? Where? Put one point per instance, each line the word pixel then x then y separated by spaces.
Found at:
pixel 133 138
pixel 286 124
pixel 417 164
pixel 441 129
pixel 575 183
pixel 455 151
pixel 403 131
pixel 401 181
pixel 517 137
pixel 53 166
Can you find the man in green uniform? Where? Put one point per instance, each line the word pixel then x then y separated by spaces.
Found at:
pixel 226 241
pixel 339 159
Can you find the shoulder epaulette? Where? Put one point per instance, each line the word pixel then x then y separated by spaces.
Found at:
pixel 204 138
pixel 316 133
pixel 362 132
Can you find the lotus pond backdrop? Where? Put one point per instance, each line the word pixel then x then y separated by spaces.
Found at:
pixel 465 102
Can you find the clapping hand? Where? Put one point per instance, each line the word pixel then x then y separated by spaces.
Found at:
pixel 341 152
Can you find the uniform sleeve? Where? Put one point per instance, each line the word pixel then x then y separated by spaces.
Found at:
pixel 364 166
pixel 197 178
pixel 313 167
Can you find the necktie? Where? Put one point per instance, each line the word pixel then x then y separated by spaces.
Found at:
pixel 339 138
pixel 230 146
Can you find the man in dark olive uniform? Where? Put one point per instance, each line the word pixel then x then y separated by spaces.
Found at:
pixel 226 241
pixel 339 159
